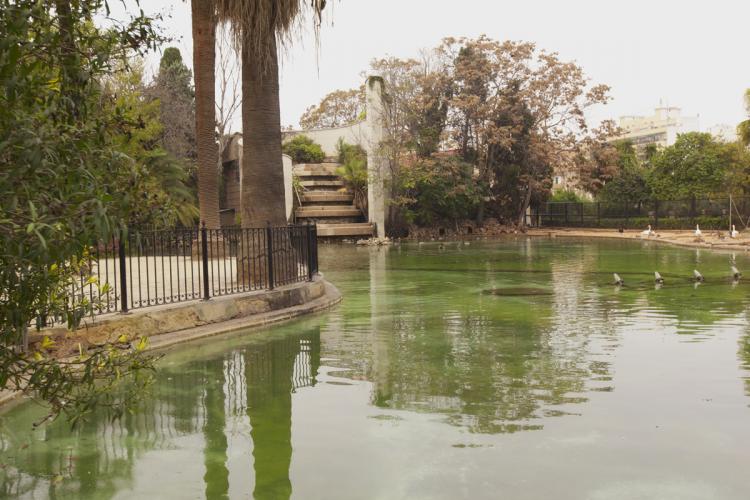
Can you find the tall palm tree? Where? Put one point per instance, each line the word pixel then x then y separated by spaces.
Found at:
pixel 204 62
pixel 257 26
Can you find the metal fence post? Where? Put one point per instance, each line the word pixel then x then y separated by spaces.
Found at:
pixel 269 254
pixel 598 214
pixel 309 251
pixel 566 213
pixel 123 275
pixel 204 258
pixel 580 207
pixel 315 247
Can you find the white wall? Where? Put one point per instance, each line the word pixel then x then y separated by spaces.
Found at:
pixel 329 137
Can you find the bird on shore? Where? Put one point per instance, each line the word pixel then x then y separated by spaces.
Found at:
pixel 698 276
pixel 734 233
pixel 698 233
pixel 736 274
pixel 658 279
pixel 618 281
pixel 648 232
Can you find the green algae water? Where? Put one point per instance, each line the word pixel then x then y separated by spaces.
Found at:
pixel 505 369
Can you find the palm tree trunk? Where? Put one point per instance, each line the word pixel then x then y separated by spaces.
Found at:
pixel 204 61
pixel 262 168
pixel 262 200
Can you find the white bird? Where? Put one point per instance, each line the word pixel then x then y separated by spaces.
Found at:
pixel 698 276
pixel 734 233
pixel 698 232
pixel 618 281
pixel 736 274
pixel 648 232
pixel 657 278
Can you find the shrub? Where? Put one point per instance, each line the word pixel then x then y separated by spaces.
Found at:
pixel 566 195
pixel 353 171
pixel 302 149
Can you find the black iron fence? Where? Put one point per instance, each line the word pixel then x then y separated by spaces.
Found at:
pixel 709 213
pixel 154 267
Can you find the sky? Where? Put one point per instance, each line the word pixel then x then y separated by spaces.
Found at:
pixel 690 54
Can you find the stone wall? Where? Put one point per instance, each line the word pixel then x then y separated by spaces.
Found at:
pixel 161 320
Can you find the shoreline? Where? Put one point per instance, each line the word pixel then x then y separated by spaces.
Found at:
pixel 163 341
pixel 710 239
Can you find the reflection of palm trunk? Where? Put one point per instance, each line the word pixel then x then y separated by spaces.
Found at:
pixel 269 406
pixel 215 451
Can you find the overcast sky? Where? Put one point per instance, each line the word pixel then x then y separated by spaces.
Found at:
pixel 691 54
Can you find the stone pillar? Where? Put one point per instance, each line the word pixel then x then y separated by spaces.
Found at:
pixel 288 185
pixel 378 171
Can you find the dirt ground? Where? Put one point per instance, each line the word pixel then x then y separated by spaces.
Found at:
pixel 718 240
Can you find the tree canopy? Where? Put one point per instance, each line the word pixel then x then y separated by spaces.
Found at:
pixel 59 152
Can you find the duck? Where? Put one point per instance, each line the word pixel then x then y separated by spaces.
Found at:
pixel 648 232
pixel 698 276
pixel 736 274
pixel 698 232
pixel 734 233
pixel 658 279
pixel 618 281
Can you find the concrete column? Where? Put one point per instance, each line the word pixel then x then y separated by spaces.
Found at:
pixel 378 171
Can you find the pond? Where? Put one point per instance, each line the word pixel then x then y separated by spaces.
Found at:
pixel 511 368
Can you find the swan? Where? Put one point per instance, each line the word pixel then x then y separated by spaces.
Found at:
pixel 734 233
pixel 698 276
pixel 698 232
pixel 648 232
pixel 657 278
pixel 736 274
pixel 618 281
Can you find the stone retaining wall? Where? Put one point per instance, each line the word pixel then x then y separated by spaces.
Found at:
pixel 160 320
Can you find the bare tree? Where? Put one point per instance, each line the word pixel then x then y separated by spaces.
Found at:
pixel 228 73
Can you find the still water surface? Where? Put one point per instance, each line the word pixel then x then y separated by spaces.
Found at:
pixel 510 369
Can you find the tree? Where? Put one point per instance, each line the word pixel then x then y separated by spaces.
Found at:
pixel 598 160
pixel 174 90
pixel 153 183
pixel 696 165
pixel 257 24
pixel 58 154
pixel 337 109
pixel 230 92
pixel 514 111
pixel 204 64
pixel 630 184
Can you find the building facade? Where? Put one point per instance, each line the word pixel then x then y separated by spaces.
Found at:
pixel 660 129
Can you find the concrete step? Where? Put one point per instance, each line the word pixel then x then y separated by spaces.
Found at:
pixel 315 169
pixel 323 183
pixel 327 197
pixel 327 211
pixel 357 229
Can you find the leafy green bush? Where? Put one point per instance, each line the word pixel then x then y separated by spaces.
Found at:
pixel 353 171
pixel 438 189
pixel 302 149
pixel 566 195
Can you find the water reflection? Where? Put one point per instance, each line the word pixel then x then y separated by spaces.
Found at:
pixel 435 359
pixel 194 399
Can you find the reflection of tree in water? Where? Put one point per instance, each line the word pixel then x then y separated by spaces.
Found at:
pixel 196 397
pixel 491 369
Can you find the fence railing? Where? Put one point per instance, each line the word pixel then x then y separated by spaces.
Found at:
pixel 155 267
pixel 709 213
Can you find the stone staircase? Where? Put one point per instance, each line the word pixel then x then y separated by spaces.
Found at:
pixel 326 201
